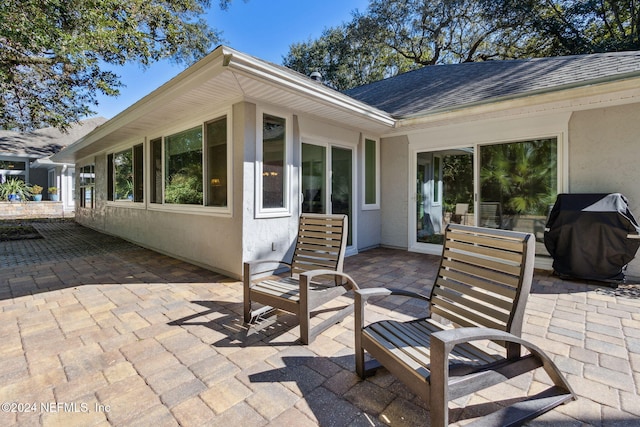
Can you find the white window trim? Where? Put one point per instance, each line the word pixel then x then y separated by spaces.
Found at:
pixel 261 212
pixel 370 206
pixel 218 211
pixel 14 173
pixel 562 179
pixel 126 203
pixel 436 191
pixel 84 163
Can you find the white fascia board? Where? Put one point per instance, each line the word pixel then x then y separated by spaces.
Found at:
pixel 207 68
pixel 193 76
pixel 255 68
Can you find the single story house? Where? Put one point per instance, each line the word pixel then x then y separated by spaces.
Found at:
pixel 216 165
pixel 27 156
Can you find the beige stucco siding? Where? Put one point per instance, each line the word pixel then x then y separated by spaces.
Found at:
pixel 271 237
pixel 604 150
pixel 196 235
pixel 394 159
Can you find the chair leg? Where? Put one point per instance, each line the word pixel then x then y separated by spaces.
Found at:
pixel 303 309
pixel 247 311
pixel 358 325
pixel 246 281
pixel 439 390
pixel 360 361
pixel 304 328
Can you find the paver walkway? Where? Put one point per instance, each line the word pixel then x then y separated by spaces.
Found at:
pixel 97 331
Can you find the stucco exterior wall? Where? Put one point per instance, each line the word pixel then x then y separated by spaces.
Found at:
pixel 366 223
pixel 604 148
pixel 394 214
pixel 263 238
pixel 201 237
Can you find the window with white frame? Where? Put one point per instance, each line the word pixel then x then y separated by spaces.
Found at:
pixel 183 167
pixel 156 171
pixel 12 169
pixel 191 167
pixel 371 193
pixel 125 179
pixel 272 172
pixel 217 167
pixel 87 186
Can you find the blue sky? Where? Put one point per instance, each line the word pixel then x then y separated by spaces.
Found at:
pixel 263 28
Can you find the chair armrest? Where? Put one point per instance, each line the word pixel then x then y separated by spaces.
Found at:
pixel 449 338
pixel 442 343
pixel 453 337
pixel 249 266
pixel 337 274
pixel 365 294
pixel 362 295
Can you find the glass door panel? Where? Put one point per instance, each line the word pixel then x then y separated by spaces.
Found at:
pixel 327 181
pixel 342 185
pixel 518 186
pixel 444 192
pixel 314 178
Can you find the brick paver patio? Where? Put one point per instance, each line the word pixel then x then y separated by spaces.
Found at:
pixel 97 331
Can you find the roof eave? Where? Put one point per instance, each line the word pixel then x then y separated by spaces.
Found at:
pixel 249 65
pixel 622 82
pixel 136 110
pixel 220 59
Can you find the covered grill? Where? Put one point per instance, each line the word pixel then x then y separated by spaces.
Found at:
pixel 592 236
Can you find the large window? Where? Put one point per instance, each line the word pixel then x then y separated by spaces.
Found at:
pixel 216 138
pixel 13 169
pixel 125 181
pixel 156 171
pixel 191 167
pixel 517 183
pixel 371 181
pixel 274 152
pixel 183 168
pixel 87 186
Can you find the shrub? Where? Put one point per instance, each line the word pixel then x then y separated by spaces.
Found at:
pixel 21 189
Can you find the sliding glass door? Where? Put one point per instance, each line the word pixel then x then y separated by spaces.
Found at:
pixel 444 192
pixel 327 181
pixel 518 186
pixel 510 185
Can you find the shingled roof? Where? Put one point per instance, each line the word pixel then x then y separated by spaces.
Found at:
pixel 447 87
pixel 44 142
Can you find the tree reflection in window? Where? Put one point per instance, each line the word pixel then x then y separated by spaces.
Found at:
pixel 183 167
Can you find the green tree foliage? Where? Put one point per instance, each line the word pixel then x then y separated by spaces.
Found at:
pixel 522 176
pixel 53 52
pixel 395 36
pixel 345 58
pixel 574 26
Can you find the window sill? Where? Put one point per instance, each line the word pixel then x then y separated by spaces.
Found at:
pixel 192 210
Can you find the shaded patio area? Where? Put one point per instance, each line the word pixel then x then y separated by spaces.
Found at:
pixel 97 331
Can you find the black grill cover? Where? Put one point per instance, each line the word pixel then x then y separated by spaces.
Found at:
pixel 586 234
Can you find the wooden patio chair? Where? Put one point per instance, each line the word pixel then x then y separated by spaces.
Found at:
pixel 318 254
pixel 460 214
pixel 490 215
pixel 479 295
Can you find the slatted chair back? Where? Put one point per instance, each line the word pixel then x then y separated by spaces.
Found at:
pixel 321 243
pixel 482 280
